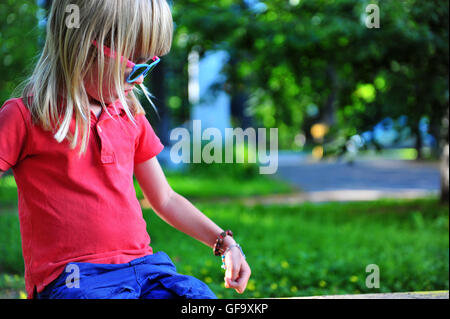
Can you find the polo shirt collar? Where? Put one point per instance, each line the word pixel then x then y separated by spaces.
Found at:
pixel 115 108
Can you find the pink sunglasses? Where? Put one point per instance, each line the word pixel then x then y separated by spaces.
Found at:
pixel 137 69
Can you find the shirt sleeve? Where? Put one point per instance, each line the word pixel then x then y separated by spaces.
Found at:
pixel 13 134
pixel 148 144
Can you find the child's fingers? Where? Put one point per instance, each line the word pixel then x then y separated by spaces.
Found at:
pixel 231 275
pixel 231 284
pixel 242 276
pixel 239 285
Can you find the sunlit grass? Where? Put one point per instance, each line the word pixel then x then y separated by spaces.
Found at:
pixel 322 249
pixel 195 186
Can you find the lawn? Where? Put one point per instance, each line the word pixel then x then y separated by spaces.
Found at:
pixel 322 249
pixel 205 187
pixel 299 250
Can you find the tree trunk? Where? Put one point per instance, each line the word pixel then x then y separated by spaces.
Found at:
pixel 238 100
pixel 436 132
pixel 444 159
pixel 419 141
pixel 444 174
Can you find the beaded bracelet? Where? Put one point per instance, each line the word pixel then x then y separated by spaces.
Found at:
pixel 218 249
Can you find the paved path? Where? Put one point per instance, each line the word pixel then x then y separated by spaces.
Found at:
pixel 362 180
pixel 320 197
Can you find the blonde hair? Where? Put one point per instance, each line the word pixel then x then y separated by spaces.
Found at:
pixel 132 28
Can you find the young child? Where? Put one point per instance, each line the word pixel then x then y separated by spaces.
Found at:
pixel 74 140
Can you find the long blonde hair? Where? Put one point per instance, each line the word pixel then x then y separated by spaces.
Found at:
pixel 131 28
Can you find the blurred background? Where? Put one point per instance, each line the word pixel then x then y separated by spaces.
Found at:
pixel 362 114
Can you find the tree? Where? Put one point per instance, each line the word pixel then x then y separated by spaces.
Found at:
pixel 291 57
pixel 19 34
pixel 309 61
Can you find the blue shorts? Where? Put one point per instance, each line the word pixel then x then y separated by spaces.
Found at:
pixel 150 277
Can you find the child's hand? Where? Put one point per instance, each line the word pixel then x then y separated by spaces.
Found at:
pixel 237 270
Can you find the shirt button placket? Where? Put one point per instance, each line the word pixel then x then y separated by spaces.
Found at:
pixel 106 156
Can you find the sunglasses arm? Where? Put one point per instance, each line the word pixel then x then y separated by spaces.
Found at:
pixel 110 53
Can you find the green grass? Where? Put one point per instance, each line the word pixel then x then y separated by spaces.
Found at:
pixel 302 250
pixel 202 187
pixel 8 191
pixel 323 249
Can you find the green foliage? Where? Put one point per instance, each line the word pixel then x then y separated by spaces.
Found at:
pixel 18 43
pixel 287 57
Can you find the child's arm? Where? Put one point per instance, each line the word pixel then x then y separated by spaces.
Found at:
pixel 181 214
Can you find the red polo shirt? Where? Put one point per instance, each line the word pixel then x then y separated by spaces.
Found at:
pixel 71 208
